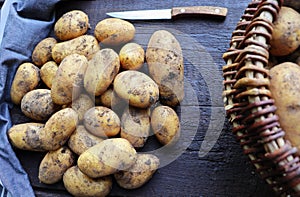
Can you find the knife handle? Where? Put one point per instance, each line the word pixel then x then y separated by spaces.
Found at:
pixel 199 10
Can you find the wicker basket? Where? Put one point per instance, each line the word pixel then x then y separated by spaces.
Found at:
pixel 249 104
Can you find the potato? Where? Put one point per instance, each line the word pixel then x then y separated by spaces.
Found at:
pixel 111 100
pixel 86 45
pixel 285 88
pixel 26 136
pixel 138 174
pixel 165 124
pixel 42 52
pixel 102 122
pixel 59 128
pixel 82 104
pixel 114 31
pixel 26 79
pixel 38 105
pixel 165 63
pixel 107 157
pixel 135 126
pixel 286 32
pixel 67 84
pixel 81 140
pixel 55 164
pixel 48 72
pixel 101 71
pixel 71 25
pixel 79 184
pixel 137 88
pixel 132 56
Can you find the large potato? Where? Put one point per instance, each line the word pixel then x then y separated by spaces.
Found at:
pixel 82 104
pixel 54 164
pixel 137 88
pixel 165 63
pixel 42 52
pixel 26 79
pixel 114 31
pixel 71 25
pixel 132 56
pixel 138 174
pixel 86 45
pixel 101 71
pixel 38 105
pixel 102 122
pixel 285 88
pixel 79 184
pixel 107 157
pixel 67 84
pixel 48 72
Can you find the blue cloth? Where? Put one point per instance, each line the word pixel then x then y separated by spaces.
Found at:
pixel 23 24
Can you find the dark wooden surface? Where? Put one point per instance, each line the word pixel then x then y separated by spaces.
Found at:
pixel 224 170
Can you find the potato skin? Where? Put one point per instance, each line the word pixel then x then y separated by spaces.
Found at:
pixel 79 184
pixel 48 72
pixel 42 52
pixel 137 88
pixel 55 164
pixel 165 124
pixel 139 173
pixel 107 158
pixel 82 104
pixel 165 63
pixel 26 79
pixel 86 45
pixel 132 56
pixel 71 25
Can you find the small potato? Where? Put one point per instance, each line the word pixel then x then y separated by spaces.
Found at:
pixel 81 140
pixel 86 45
pixel 48 72
pixel 79 184
pixel 135 126
pixel 137 88
pixel 26 136
pixel 26 79
pixel 107 157
pixel 138 174
pixel 102 122
pixel 82 104
pixel 132 56
pixel 114 31
pixel 71 25
pixel 42 52
pixel 165 124
pixel 55 164
pixel 101 71
pixel 38 105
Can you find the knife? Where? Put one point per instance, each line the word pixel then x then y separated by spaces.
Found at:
pixel 170 13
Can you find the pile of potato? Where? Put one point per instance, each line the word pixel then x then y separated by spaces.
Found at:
pixel 92 107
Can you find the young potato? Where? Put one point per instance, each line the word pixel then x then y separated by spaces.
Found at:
pixel 67 84
pixel 42 52
pixel 114 31
pixel 165 63
pixel 101 71
pixel 135 126
pixel 38 105
pixel 26 79
pixel 137 88
pixel 81 140
pixel 132 56
pixel 26 136
pixel 86 45
pixel 102 122
pixel 54 164
pixel 48 72
pixel 79 184
pixel 165 124
pixel 82 104
pixel 71 25
pixel 107 157
pixel 139 173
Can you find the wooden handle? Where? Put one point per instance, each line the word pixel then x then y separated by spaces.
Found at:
pixel 199 10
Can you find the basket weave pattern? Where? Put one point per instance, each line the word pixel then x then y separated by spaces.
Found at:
pixel 248 100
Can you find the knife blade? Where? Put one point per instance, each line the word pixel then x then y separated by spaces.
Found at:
pixel 174 12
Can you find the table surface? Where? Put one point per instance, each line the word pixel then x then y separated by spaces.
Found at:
pixel 224 170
